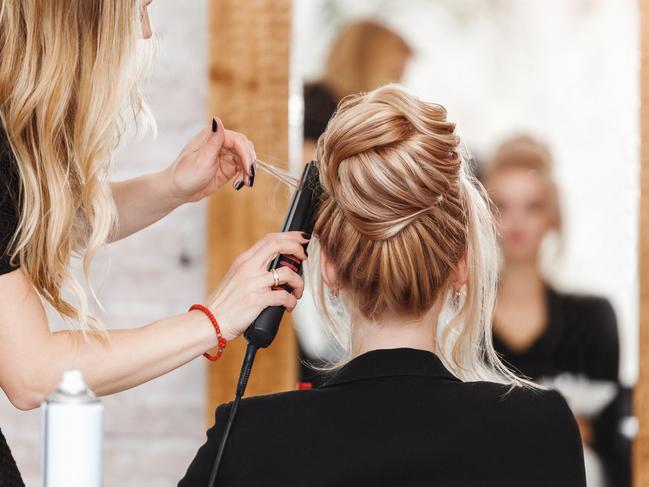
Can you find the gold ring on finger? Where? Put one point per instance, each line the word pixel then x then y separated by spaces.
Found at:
pixel 275 277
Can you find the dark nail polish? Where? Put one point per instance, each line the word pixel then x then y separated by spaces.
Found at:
pixel 306 235
pixel 252 180
pixel 215 125
pixel 239 185
pixel 253 171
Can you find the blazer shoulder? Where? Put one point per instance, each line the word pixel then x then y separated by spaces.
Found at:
pixel 252 416
pixel 546 402
pixel 545 414
pixel 537 422
pixel 532 411
pixel 534 406
pixel 282 401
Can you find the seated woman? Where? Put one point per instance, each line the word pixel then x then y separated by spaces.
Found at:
pixel 408 251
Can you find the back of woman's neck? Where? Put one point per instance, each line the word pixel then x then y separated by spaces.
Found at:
pixel 393 332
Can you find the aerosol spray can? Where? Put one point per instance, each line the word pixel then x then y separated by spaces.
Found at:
pixel 73 430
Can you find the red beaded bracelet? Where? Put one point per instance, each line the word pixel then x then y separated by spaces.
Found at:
pixel 222 342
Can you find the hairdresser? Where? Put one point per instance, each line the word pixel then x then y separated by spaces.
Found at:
pixel 68 73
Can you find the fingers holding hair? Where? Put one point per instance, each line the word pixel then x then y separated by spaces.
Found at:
pixel 239 145
pixel 214 141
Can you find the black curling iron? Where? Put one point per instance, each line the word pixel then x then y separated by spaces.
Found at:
pixel 262 332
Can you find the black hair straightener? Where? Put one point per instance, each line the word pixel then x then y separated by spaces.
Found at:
pixel 261 333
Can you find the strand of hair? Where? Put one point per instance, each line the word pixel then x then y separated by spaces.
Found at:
pixel 280 174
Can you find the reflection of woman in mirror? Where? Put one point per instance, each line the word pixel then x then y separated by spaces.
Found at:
pixel 422 398
pixel 538 330
pixel 364 56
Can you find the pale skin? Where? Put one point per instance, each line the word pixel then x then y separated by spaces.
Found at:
pixel 390 331
pixel 32 358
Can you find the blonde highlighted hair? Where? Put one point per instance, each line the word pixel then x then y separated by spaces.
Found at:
pixel 69 71
pixel 399 210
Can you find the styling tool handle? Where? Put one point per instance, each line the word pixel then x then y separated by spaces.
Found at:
pixel 263 330
pixel 300 218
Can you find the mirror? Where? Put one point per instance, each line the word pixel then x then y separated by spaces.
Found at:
pixel 546 97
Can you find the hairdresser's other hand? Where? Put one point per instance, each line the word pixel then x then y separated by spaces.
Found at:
pixel 246 289
pixel 211 159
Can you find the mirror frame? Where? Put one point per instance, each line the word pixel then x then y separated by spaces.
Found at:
pixel 641 394
pixel 249 65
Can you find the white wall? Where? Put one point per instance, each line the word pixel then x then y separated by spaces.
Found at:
pixel 153 431
pixel 565 70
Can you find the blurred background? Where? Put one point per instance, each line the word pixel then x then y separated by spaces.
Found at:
pixel 563 72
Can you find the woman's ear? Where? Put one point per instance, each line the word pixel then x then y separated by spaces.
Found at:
pixel 328 271
pixel 462 272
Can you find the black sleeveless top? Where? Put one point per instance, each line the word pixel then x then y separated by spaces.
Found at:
pixel 9 183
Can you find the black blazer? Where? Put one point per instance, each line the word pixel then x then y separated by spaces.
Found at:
pixel 397 418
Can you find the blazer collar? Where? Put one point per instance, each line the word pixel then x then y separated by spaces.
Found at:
pixel 391 363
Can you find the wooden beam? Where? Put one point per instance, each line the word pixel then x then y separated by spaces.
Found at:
pixel 641 400
pixel 249 53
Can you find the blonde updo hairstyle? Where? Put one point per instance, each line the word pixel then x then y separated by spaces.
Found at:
pixel 398 211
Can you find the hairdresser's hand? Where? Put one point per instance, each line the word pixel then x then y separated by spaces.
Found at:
pixel 211 159
pixel 245 291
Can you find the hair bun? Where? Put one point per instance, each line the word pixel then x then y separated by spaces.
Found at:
pixel 387 159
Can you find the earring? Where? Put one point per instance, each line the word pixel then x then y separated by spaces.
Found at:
pixel 332 293
pixel 455 299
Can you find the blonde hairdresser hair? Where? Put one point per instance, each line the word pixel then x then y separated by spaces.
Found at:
pixel 399 210
pixel 525 152
pixel 68 71
pixel 358 54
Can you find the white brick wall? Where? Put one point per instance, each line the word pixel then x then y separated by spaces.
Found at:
pixel 153 431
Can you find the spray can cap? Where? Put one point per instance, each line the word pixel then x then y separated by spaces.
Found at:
pixel 72 382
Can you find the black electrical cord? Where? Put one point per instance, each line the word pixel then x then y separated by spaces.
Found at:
pixel 244 375
pixel 262 331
